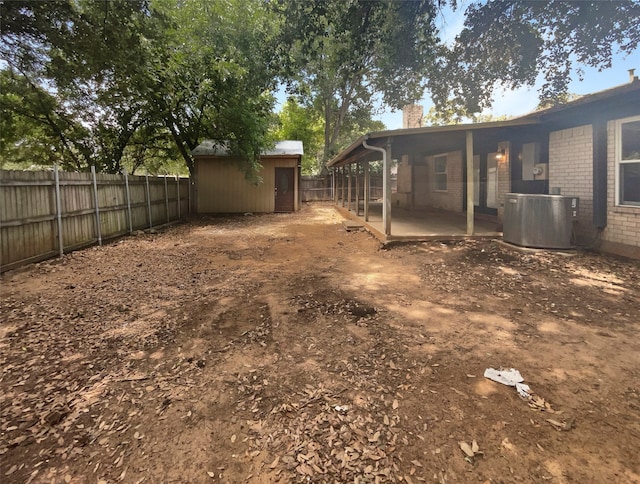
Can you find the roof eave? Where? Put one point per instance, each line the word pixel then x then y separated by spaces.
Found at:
pixel 395 133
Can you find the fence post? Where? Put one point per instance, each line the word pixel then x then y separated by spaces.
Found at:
pixel 189 193
pixel 58 210
pixel 128 193
pixel 166 198
pixel 178 194
pixel 95 198
pixel 148 201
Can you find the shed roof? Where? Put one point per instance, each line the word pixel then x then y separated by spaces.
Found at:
pixel 212 147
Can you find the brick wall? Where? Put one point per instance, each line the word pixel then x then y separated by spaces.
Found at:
pixel 504 178
pixel 622 234
pixel 571 170
pixel 412 116
pixel 402 196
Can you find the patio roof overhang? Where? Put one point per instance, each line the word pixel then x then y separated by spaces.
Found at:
pixel 389 145
pixel 431 138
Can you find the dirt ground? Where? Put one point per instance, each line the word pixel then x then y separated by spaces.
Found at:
pixel 281 348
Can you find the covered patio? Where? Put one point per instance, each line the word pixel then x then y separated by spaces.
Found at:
pixel 451 180
pixel 421 225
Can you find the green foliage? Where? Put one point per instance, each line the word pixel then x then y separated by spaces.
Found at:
pixel 76 66
pixel 560 98
pixel 298 122
pixel 510 43
pixel 448 116
pixel 25 140
pixel 137 82
pixel 305 123
pixel 216 79
pixel 341 54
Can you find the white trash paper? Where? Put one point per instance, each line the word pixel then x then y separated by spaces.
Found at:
pixel 510 377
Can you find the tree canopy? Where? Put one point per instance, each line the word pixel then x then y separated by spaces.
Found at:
pixel 73 70
pixel 512 42
pixel 344 55
pixel 138 84
pixel 129 81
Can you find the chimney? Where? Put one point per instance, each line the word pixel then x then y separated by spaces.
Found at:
pixel 412 116
pixel 632 77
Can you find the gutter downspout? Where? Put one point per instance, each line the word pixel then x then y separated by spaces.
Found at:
pixel 385 181
pixel 600 174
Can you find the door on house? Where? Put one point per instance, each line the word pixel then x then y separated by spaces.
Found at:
pixel 284 190
pixel 485 183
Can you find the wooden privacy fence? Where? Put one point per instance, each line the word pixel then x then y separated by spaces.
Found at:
pixel 317 188
pixel 47 213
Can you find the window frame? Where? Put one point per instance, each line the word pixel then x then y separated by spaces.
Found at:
pixel 444 173
pixel 618 162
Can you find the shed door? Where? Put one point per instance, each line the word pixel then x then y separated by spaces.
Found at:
pixel 284 190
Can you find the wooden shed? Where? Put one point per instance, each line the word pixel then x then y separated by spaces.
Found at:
pixel 221 186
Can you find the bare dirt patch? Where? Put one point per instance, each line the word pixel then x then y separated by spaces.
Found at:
pixel 280 348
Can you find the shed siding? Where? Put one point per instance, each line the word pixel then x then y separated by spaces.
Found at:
pixel 222 187
pixel 571 170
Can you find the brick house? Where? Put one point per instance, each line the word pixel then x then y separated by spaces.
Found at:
pixel 589 148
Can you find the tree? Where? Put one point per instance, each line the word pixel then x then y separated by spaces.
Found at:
pixel 509 43
pixel 25 140
pixel 79 70
pixel 214 81
pixel 448 116
pixel 341 54
pixel 114 81
pixel 299 122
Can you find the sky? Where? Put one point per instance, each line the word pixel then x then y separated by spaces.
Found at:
pixel 523 100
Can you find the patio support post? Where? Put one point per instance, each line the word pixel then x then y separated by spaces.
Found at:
pixel 344 174
pixel 412 167
pixel 386 186
pixel 357 189
pixel 334 186
pixel 470 193
pixel 349 188
pixel 367 188
pixel 386 183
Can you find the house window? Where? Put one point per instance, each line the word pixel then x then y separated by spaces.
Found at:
pixel 628 161
pixel 440 172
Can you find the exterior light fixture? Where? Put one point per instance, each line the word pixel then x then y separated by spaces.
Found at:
pixel 501 156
